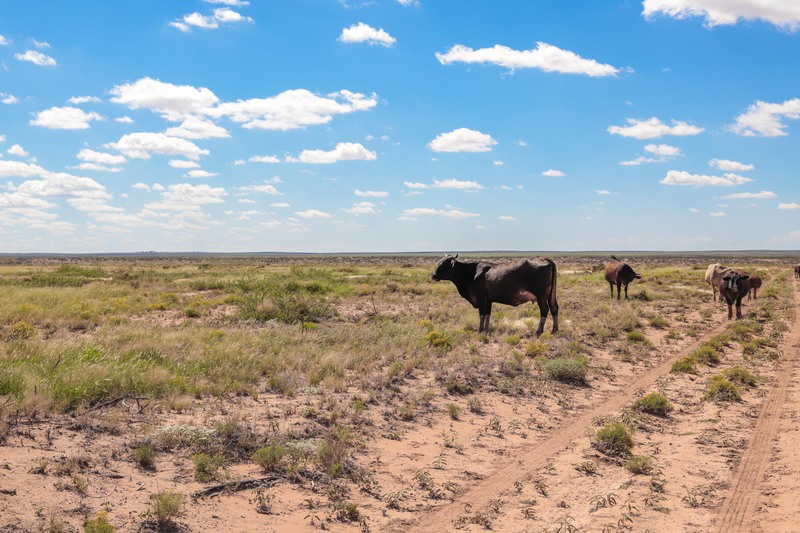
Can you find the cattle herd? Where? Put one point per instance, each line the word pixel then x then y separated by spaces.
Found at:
pixel 482 283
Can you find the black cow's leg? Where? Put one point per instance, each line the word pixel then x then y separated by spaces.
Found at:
pixel 611 286
pixel 554 312
pixel 730 310
pixel 619 288
pixel 755 294
pixel 626 291
pixel 544 309
pixel 739 308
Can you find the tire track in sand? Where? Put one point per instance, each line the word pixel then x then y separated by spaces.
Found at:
pixel 738 511
pixel 525 461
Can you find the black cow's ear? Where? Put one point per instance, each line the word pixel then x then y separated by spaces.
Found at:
pixel 726 278
pixel 481 270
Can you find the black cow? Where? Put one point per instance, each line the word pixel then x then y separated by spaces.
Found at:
pixel 482 283
pixel 797 271
pixel 619 274
pixel 733 287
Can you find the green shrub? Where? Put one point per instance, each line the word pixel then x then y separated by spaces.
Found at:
pixel 437 339
pixel 720 389
pixel 640 465
pixel 206 466
pixel 165 507
pixel 144 456
pixel 567 369
pixel 191 313
pixel 638 337
pixel 659 322
pixel 269 458
pixel 707 355
pixel 513 340
pixel 685 365
pixel 742 376
pixel 21 330
pixel 535 348
pixel 654 404
pixel 614 439
pixel 99 524
pixel 453 410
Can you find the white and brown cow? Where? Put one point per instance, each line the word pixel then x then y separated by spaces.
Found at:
pixel 755 284
pixel 620 274
pixel 714 274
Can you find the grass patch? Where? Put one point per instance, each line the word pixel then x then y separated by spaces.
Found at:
pixel 685 365
pixel 567 369
pixel 640 465
pixel 740 375
pixel 654 403
pixel 721 389
pixel 614 439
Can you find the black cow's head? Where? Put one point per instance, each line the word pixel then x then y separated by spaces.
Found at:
pixel 628 274
pixel 445 268
pixel 733 279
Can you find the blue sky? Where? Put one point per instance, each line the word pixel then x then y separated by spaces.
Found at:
pixel 399 125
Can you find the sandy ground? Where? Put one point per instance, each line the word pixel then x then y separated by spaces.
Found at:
pixel 523 463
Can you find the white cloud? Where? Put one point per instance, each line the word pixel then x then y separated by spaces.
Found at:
pixel 196 128
pixel 65 118
pixel 142 145
pixel 717 214
pixel 763 119
pixel 788 207
pixel 553 173
pixel 342 152
pixel 279 204
pixel 37 58
pixel 96 167
pixel 188 197
pixel 198 174
pixel 730 166
pixel 498 163
pixel 124 120
pixel 222 15
pixel 264 159
pixel 18 169
pixel 682 178
pixel 362 208
pixel 371 194
pixel 694 210
pixel 408 2
pixel 293 109
pixel 261 188
pixel 3 41
pixel 641 160
pixel 507 218
pixel 78 100
pixel 364 33
pixel 313 213
pixel 545 57
pixel 175 101
pixel 415 185
pixel 462 140
pixel 442 213
pixel 763 195
pixel 781 13
pixel 141 186
pixel 182 163
pixel 653 128
pixel 664 150
pixel 8 99
pixel 18 151
pixel 102 158
pixel 40 44
pixel 602 192
pixel 234 3
pixel 453 183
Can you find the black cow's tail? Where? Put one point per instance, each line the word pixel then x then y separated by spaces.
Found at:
pixel 552 301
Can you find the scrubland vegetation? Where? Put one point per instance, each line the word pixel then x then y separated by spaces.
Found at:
pixel 303 370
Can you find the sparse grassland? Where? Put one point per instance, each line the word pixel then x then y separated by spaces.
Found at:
pixel 327 373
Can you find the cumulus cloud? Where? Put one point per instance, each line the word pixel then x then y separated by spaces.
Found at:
pixel 683 178
pixel 462 140
pixel 788 206
pixel 726 12
pixel 416 185
pixel 78 100
pixel 8 99
pixel 101 158
pixel 264 159
pixel 37 58
pixel 362 208
pixel 506 218
pixel 545 57
pixel 417 212
pixel 653 128
pixel 18 169
pixel 175 101
pixel 199 174
pixel 313 213
pixel 717 214
pixel 182 163
pixel 196 128
pixel 18 151
pixel 730 166
pixel 188 197
pixel 371 194
pixel 763 195
pixel 364 33
pixel 65 118
pixel 293 109
pixel 264 188
pixel 460 185
pixel 602 192
pixel 223 15
pixel 342 152
pixel 142 145
pixel 3 40
pixel 553 173
pixel 764 119
pixel 664 150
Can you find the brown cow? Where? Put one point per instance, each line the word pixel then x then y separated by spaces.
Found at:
pixel 714 274
pixel 620 274
pixel 733 287
pixel 755 284
pixel 481 283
